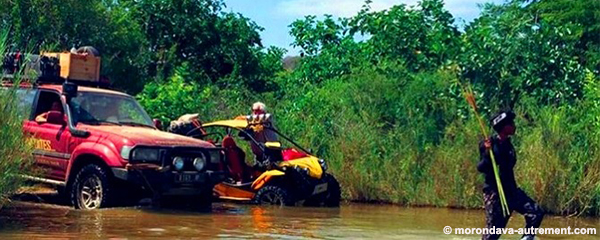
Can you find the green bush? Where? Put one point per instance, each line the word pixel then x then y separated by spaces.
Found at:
pixel 182 93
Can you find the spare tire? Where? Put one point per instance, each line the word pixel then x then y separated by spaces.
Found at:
pixel 89 50
pixel 184 128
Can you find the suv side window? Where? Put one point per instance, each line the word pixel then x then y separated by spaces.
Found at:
pixel 45 102
pixel 24 100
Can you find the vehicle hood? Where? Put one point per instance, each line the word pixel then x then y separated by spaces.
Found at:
pixel 131 135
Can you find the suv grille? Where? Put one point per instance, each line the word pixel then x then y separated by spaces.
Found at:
pixel 214 158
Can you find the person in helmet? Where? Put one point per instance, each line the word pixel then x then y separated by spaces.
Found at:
pixel 261 124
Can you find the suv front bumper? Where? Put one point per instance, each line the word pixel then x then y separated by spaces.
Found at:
pixel 168 182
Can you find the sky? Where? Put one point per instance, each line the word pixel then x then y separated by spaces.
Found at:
pixel 276 15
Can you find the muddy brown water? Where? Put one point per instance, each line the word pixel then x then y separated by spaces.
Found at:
pixel 27 220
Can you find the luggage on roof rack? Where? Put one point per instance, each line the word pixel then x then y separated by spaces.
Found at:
pixel 81 67
pixel 84 67
pixel 32 66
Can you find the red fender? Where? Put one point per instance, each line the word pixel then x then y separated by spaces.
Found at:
pixel 108 155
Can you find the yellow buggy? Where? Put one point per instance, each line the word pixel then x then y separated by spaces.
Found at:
pixel 282 176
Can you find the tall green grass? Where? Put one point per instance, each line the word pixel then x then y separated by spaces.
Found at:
pixel 406 140
pixel 15 153
pixel 409 138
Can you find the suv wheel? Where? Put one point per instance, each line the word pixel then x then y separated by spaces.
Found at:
pixel 204 202
pixel 274 195
pixel 90 189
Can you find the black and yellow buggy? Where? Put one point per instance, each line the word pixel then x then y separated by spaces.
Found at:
pixel 279 176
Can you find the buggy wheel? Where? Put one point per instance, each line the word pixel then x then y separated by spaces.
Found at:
pixel 334 192
pixel 274 195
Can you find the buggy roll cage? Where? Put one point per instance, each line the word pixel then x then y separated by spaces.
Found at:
pixel 263 147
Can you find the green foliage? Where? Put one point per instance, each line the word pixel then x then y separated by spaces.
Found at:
pixel 583 15
pixel 329 50
pixel 15 153
pixel 58 25
pixel 421 38
pixel 145 41
pixel 424 37
pixel 388 115
pixel 182 94
pixel 220 47
pixel 509 54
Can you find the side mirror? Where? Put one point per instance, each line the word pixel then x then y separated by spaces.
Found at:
pixel 69 90
pixel 56 117
pixel 157 123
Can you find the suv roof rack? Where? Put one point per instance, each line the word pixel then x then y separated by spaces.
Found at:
pixel 38 69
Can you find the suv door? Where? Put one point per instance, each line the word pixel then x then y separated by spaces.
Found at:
pixel 50 140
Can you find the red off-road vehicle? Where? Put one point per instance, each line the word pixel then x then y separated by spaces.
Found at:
pixel 95 144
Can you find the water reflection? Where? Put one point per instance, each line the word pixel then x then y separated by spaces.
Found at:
pixel 230 221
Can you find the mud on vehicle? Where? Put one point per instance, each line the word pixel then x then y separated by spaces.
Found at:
pixel 96 145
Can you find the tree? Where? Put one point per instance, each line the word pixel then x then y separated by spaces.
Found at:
pixel 508 54
pixel 222 47
pixel 582 16
pixel 424 38
pixel 57 25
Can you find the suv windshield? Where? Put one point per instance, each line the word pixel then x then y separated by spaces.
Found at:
pixel 98 108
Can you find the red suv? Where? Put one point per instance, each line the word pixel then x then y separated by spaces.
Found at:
pixel 92 143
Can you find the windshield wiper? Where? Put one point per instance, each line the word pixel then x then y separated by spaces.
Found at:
pixel 136 124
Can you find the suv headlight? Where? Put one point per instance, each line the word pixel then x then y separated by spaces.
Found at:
pixel 144 155
pixel 199 163
pixel 125 151
pixel 178 163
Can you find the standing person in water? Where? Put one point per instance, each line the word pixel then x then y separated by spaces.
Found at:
pixel 506 158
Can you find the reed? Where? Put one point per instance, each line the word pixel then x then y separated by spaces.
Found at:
pixel 15 153
pixel 470 98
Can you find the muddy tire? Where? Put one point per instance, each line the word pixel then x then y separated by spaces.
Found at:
pixel 330 198
pixel 334 192
pixel 91 188
pixel 204 202
pixel 274 195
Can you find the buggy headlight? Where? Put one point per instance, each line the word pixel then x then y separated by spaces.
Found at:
pixel 144 154
pixel 178 163
pixel 199 163
pixel 323 164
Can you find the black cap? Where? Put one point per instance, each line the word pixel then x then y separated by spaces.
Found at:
pixel 502 119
